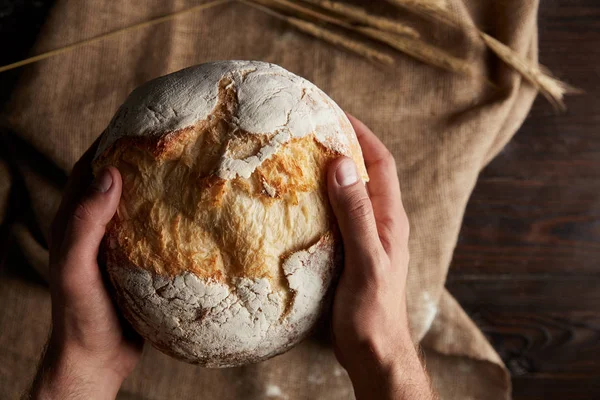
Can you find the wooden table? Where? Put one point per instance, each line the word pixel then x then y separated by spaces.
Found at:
pixel 527 265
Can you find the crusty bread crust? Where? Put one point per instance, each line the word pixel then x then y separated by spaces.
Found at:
pixel 222 251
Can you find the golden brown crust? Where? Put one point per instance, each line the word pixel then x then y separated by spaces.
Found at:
pixel 152 227
pixel 177 215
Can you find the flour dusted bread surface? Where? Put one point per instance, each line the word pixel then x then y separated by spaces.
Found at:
pixel 222 250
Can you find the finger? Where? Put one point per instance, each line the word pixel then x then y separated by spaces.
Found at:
pixel 354 213
pixel 79 181
pixel 384 189
pixel 86 225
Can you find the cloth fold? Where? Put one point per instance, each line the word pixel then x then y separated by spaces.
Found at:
pixel 442 129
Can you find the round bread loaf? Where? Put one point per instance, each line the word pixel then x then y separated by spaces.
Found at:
pixel 223 247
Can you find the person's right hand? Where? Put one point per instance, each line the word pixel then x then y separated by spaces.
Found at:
pixel 369 322
pixel 90 351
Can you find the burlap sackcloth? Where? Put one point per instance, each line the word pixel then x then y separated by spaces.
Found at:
pixel 441 127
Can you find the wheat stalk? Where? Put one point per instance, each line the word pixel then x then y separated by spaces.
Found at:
pixel 421 51
pixel 361 16
pixel 428 8
pixel 415 48
pixel 85 42
pixel 352 45
pixel 438 3
pixel 550 87
pixel 553 89
pixel 421 3
pixel 335 38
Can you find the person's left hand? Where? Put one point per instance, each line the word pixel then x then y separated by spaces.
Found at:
pixel 90 351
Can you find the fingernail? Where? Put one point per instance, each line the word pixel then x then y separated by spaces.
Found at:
pixel 102 182
pixel 346 173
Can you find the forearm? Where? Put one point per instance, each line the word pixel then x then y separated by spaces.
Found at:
pixel 65 373
pixel 403 378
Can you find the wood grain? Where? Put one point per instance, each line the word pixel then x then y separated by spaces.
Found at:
pixel 545 328
pixel 527 265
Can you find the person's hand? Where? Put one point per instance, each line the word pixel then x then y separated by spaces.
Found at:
pixel 369 321
pixel 90 351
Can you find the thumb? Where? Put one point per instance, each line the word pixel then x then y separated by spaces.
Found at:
pixel 86 223
pixel 354 212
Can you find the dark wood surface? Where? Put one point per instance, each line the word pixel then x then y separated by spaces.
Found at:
pixel 527 265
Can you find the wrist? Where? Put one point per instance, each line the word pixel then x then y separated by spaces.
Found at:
pixel 379 353
pixel 67 371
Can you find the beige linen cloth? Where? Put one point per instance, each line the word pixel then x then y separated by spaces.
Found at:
pixel 442 129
